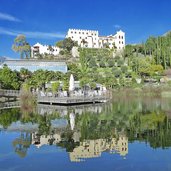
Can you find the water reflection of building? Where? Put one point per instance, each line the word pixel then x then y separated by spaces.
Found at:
pixel 83 150
pixel 86 148
pixel 94 148
pixel 40 140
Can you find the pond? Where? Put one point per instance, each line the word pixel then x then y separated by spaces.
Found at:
pixel 127 134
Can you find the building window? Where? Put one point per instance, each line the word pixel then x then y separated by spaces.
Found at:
pixel 119 42
pixel 79 32
pixel 80 38
pixel 92 34
pixel 75 32
pixel 122 43
pixel 71 31
pixel 87 33
pixel 72 37
pixel 82 32
pixel 122 37
pixel 95 34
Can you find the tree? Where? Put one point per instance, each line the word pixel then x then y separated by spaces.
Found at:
pixel 124 69
pixel 93 85
pixel 25 74
pixel 134 64
pixel 67 44
pixel 117 73
pixel 111 63
pixel 55 86
pixel 84 81
pixel 150 45
pixel 84 61
pixel 22 46
pixel 62 52
pixel 144 67
pixel 92 63
pixel 102 64
pixel 40 77
pixel 65 86
pixel 122 81
pixel 60 44
pixel 39 56
pixel 9 79
pixel 156 69
pixel 120 62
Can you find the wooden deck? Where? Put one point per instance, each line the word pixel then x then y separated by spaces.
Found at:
pixel 71 100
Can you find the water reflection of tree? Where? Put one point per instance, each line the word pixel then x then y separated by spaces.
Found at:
pixel 8 116
pixel 127 117
pixel 153 128
pixel 103 125
pixel 67 141
pixel 44 125
pixel 22 144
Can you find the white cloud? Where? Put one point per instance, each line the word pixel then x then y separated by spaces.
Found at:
pixel 8 17
pixel 117 26
pixel 29 34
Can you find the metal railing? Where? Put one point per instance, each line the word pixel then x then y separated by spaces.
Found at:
pixel 71 99
pixel 10 93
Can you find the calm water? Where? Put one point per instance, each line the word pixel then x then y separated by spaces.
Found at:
pixel 124 135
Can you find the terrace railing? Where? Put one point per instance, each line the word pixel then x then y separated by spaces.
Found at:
pixel 9 93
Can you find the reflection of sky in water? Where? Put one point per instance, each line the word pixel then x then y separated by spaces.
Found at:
pixel 141 157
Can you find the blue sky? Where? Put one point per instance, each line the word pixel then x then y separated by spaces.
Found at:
pixel 47 21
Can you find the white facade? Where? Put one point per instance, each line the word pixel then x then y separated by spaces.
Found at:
pixel 85 38
pixel 113 41
pixel 41 140
pixel 91 39
pixel 44 49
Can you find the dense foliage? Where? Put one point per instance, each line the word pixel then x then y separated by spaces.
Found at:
pixel 156 48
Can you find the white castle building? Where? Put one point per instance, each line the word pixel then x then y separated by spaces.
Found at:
pixel 44 49
pixel 84 38
pixel 91 39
